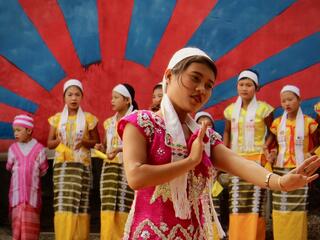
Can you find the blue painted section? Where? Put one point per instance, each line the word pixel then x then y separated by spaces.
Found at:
pixel 291 60
pixel 148 23
pixel 14 100
pixel 219 126
pixel 231 22
pixel 6 131
pixel 22 45
pixel 82 21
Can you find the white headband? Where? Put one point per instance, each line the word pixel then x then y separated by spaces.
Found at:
pixel 291 88
pixel 181 55
pixel 202 114
pixel 249 74
pixel 72 82
pixel 120 88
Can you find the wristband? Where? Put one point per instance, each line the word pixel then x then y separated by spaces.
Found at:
pixel 267 181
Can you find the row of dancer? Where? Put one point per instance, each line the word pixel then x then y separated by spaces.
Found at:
pixel 168 160
pixel 280 144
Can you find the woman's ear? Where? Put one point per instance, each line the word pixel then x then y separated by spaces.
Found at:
pixel 168 75
pixel 127 100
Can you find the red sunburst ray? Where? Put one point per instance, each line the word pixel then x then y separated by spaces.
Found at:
pixel 184 22
pixel 114 23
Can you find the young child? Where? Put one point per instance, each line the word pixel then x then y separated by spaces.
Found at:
pixel 295 136
pixel 27 162
pixel 72 133
pixel 156 97
pixel 116 196
pixel 169 161
pixel 206 118
pixel 247 125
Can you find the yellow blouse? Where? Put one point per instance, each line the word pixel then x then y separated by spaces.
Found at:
pixel 65 153
pixel 317 108
pixel 310 125
pixel 110 126
pixel 260 128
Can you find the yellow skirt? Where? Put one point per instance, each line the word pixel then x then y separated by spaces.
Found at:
pixel 71 226
pixel 289 225
pixel 246 207
pixel 112 225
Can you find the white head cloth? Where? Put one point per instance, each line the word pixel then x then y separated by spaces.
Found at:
pixel 248 128
pixel 110 134
pixel 202 114
pixel 72 82
pixel 80 122
pixel 291 88
pixel 249 74
pixel 298 133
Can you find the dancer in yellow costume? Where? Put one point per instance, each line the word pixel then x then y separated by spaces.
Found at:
pixel 317 110
pixel 295 134
pixel 247 121
pixel 72 133
pixel 116 196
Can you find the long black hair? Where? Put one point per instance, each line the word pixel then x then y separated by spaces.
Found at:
pixel 132 93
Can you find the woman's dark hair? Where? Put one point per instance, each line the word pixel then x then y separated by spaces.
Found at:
pixel 185 63
pixel 157 86
pixel 132 93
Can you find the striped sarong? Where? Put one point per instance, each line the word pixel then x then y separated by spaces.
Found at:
pixel 72 183
pixel 71 187
pixel 247 210
pixel 115 193
pixel 25 222
pixel 116 200
pixel 289 211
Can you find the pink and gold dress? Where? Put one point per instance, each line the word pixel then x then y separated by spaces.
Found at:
pixel 152 214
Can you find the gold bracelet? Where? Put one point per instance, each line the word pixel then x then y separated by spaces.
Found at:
pixel 282 188
pixel 267 181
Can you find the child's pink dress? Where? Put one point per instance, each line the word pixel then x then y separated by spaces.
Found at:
pixel 27 162
pixel 152 215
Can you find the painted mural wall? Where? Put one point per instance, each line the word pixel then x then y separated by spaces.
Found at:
pixel 105 42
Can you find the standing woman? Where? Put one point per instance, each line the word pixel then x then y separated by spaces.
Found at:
pixel 72 133
pixel 296 138
pixel 247 124
pixel 116 196
pixel 168 159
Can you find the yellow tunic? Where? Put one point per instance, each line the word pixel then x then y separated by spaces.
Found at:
pixel 310 125
pixel 246 200
pixel 262 112
pixel 64 154
pixel 111 125
pixel 72 180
